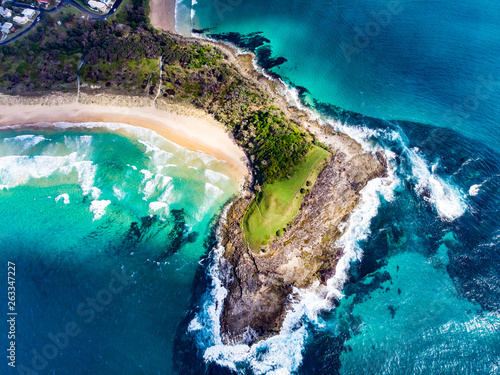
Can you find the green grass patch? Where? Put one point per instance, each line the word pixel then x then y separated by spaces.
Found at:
pixel 278 203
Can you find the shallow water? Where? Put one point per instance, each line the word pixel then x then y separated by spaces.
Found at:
pixel 83 206
pixel 418 289
pixel 420 269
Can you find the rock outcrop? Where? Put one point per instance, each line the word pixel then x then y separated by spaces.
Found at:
pixel 260 283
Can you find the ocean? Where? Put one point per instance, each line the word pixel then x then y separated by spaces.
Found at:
pixel 106 240
pixel 417 290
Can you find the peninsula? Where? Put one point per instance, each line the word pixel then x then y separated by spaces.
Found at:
pixel 304 179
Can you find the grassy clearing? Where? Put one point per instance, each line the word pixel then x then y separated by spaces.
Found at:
pixel 278 203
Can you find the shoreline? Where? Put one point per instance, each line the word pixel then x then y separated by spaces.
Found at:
pixel 246 64
pixel 162 14
pixel 261 283
pixel 297 259
pixel 186 127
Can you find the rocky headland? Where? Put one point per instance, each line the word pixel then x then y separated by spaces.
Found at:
pixel 261 282
pixel 142 65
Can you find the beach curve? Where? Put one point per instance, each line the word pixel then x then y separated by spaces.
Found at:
pixel 186 127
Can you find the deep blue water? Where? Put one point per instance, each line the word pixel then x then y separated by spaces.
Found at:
pixel 106 225
pixel 421 253
pixel 420 80
pixel 433 62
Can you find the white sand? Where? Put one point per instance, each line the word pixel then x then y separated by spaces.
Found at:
pixel 194 131
pixel 162 14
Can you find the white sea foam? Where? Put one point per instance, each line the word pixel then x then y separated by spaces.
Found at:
pixel 448 200
pixel 362 134
pixel 193 12
pixel 155 206
pixel 213 305
pixel 147 174
pixel 159 208
pixel 22 143
pixel 98 208
pixel 86 175
pixel 64 197
pixel 358 229
pixel 118 193
pixel 18 170
pixel 474 190
pixel 95 192
pixel 157 188
pixel 282 354
pixel 154 185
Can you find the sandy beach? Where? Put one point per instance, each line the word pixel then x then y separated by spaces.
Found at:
pixel 192 129
pixel 162 14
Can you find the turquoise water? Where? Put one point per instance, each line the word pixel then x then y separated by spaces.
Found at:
pixel 418 288
pixel 430 62
pixel 106 224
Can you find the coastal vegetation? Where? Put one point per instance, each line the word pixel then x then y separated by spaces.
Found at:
pixel 269 215
pixel 127 56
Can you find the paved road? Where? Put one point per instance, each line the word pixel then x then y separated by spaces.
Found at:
pixel 56 9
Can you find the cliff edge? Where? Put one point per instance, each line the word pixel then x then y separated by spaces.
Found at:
pixel 261 282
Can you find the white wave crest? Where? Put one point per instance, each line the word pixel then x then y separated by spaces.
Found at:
pixel 193 12
pixel 474 190
pixel 67 161
pixel 64 197
pixel 19 170
pixel 118 193
pixel 358 229
pixel 154 185
pixel 98 208
pixel 22 143
pixel 95 192
pixel 161 209
pixel 282 354
pixel 448 200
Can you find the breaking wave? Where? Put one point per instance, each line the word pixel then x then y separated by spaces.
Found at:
pixel 282 354
pixel 72 157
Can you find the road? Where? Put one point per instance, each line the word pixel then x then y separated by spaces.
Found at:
pixel 56 9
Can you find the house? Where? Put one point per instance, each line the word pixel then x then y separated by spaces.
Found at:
pixel 29 13
pixel 6 13
pixel 107 2
pixel 20 20
pixel 98 5
pixel 6 27
pixel 46 2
